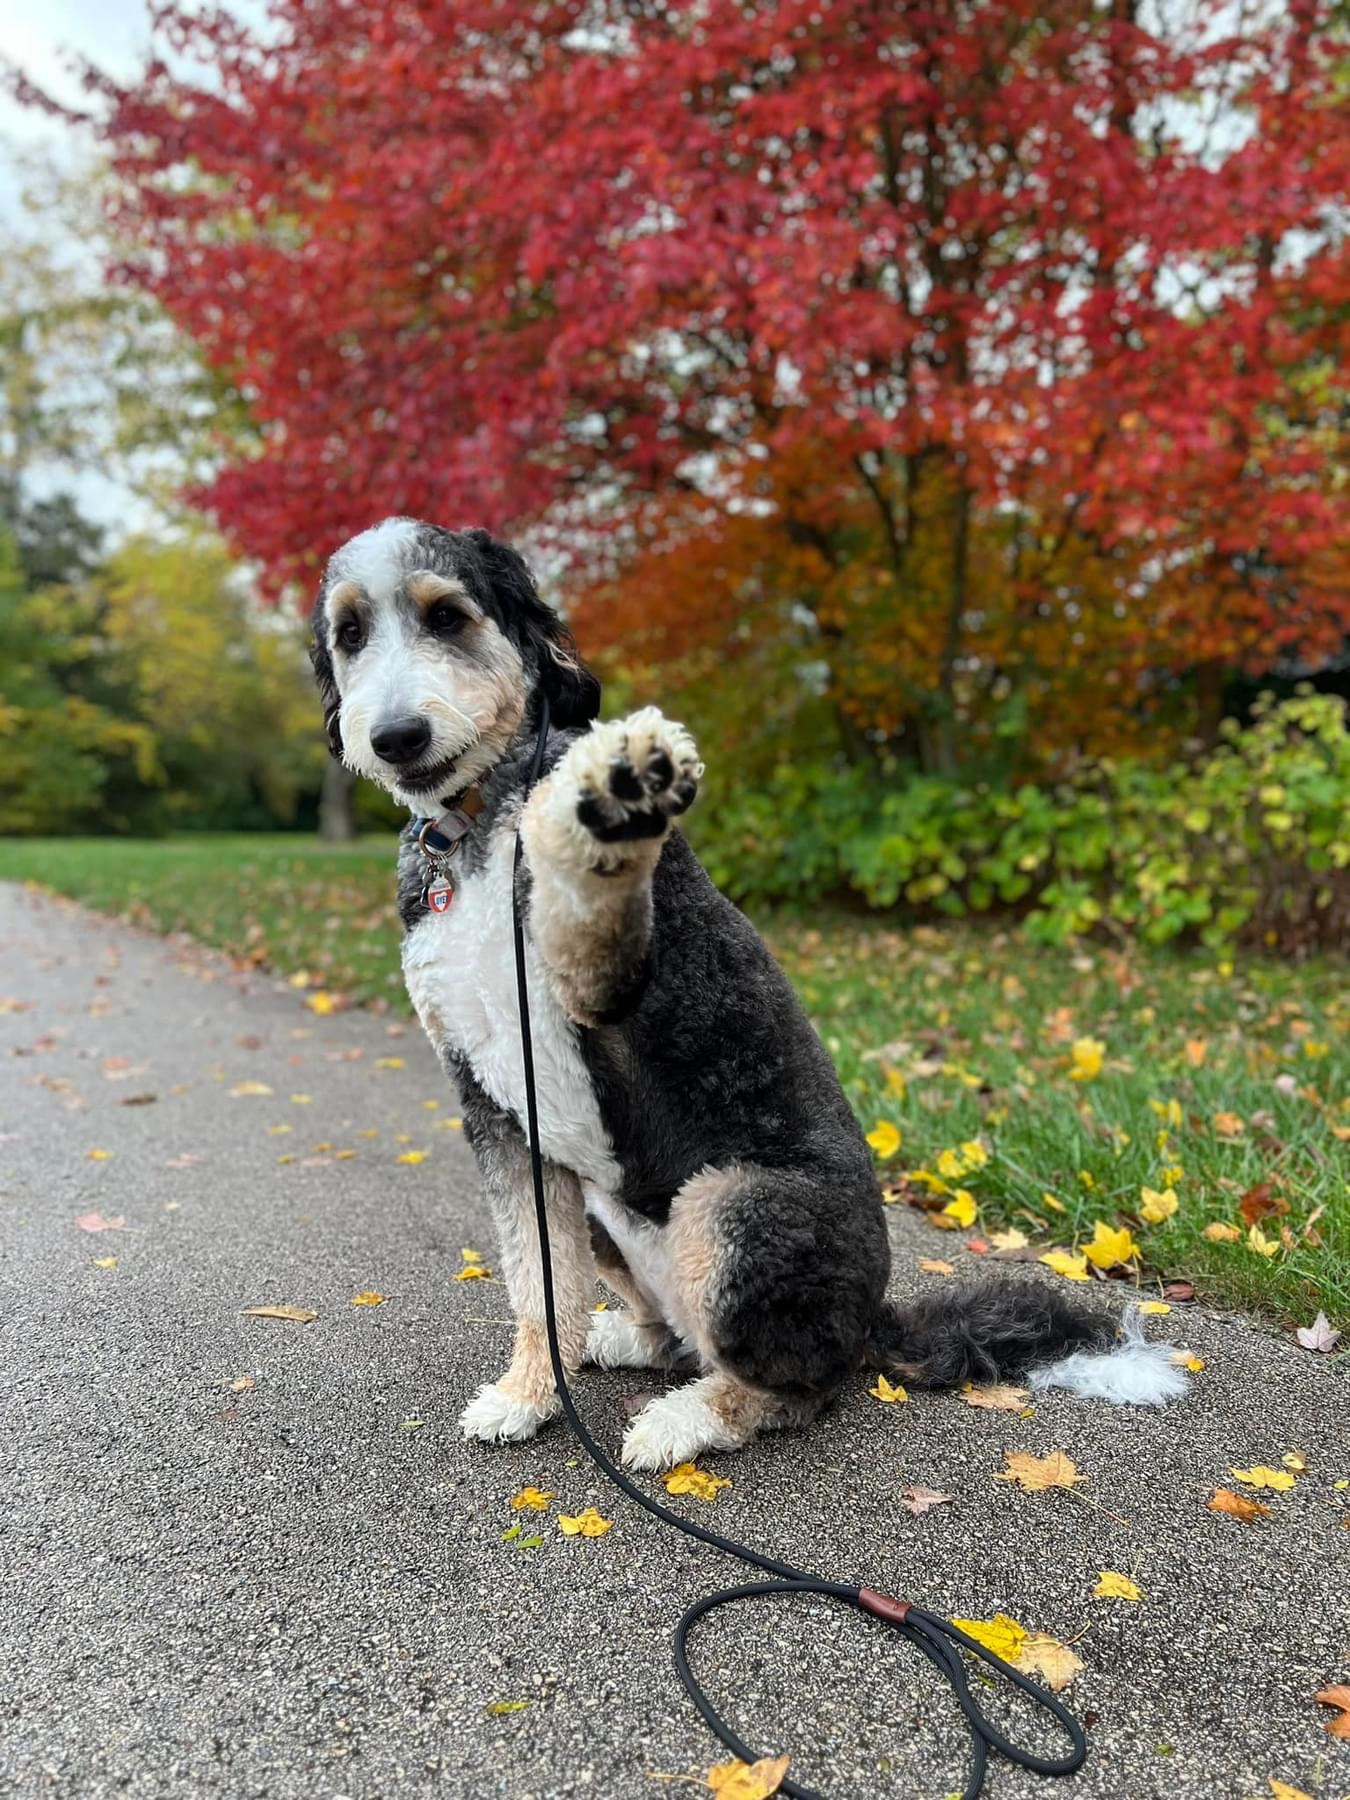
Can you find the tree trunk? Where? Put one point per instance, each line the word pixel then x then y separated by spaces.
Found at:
pixel 337 818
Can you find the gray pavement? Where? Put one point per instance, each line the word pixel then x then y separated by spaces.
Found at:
pixel 283 1591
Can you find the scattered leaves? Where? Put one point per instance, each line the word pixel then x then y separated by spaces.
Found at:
pixel 412 1157
pixel 368 1298
pixel 1113 1586
pixel 933 1265
pixel 1033 1474
pixel 688 1478
pixel 498 1709
pixel 920 1500
pixel 1156 1307
pixel 99 1155
pixel 1219 1233
pixel 1261 1476
pixel 585 1524
pixel 1111 1246
pixel 1002 1635
pixel 1321 1335
pixel 244 1090
pixel 1237 1506
pixel 1088 1055
pixel 1157 1206
pixel 1053 1662
pixel 1070 1264
pixel 1339 1697
pixel 995 1397
pixel 95 1221
pixel 888 1392
pixel 739 1780
pixel 300 1315
pixel 532 1499
pixel 884 1139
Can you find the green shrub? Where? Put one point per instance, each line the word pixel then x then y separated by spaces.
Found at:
pixel 1248 842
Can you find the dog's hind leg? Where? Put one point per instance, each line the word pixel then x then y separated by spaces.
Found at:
pixel 777 1274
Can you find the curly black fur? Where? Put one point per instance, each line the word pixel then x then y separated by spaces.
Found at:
pixel 983 1333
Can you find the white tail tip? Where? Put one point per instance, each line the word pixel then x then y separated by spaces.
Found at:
pixel 1136 1373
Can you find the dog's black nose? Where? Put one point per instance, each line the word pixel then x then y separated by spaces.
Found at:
pixel 401 741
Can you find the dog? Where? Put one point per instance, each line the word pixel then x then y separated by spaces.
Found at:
pixel 698 1149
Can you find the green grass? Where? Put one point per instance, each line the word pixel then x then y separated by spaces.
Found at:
pixel 951 1035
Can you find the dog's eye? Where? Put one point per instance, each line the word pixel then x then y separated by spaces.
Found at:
pixel 444 620
pixel 350 635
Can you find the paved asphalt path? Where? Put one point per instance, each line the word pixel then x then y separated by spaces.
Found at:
pixel 284 1591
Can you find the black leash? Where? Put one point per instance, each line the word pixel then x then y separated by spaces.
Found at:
pixel 938 1639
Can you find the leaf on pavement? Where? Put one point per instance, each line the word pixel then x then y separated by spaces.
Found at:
pixel 891 1393
pixel 1112 1586
pixel 498 1709
pixel 368 1297
pixel 1339 1697
pixel 739 1780
pixel 1261 1476
pixel 920 1500
pixel 243 1090
pixel 1237 1506
pixel 1295 1460
pixel 1033 1474
pixel 934 1265
pixel 99 1155
pixel 1072 1265
pixel 532 1499
pixel 688 1478
pixel 300 1314
pixel 995 1397
pixel 105 1262
pixel 1004 1636
pixel 1321 1335
pixel 1054 1662
pixel 585 1524
pixel 1011 1239
pixel 1157 1307
pixel 95 1221
pixel 1281 1790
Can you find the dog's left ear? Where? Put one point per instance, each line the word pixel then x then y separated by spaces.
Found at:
pixel 329 697
pixel 573 691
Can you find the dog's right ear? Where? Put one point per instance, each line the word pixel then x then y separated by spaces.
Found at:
pixel 321 658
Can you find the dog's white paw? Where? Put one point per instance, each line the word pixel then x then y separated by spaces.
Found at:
pixel 673 1429
pixel 495 1417
pixel 615 1342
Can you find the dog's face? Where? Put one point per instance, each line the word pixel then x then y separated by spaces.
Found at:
pixel 430 647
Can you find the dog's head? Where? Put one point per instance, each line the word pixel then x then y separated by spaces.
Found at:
pixel 430 649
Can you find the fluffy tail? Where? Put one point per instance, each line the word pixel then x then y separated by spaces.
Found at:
pixel 998 1329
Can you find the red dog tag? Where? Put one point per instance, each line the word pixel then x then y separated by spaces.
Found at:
pixel 438 895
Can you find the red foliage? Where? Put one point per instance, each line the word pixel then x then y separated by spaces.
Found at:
pixel 515 264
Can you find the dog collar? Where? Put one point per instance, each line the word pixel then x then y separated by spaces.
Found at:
pixel 440 839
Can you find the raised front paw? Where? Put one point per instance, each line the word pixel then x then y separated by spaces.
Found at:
pixel 633 776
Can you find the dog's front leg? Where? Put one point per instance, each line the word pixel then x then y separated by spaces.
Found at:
pixel 518 1403
pixel 593 831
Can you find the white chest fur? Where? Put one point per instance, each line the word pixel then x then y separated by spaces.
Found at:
pixel 461 974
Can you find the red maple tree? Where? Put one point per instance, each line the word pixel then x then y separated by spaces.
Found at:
pixel 1038 271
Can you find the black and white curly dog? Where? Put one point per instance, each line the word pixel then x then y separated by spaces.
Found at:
pixel 700 1152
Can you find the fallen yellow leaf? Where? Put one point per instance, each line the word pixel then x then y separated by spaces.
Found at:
pixel 1229 1124
pixel 531 1499
pixel 473 1272
pixel 1033 1474
pixel 1002 1635
pixel 739 1780
pixel 1111 1586
pixel 1237 1506
pixel 300 1314
pixel 322 1003
pixel 688 1478
pixel 243 1089
pixel 368 1298
pixel 884 1139
pixel 390 1062
pixel 1219 1233
pixel 105 1262
pixel 1157 1206
pixel 995 1397
pixel 1110 1246
pixel 1258 1241
pixel 586 1524
pixel 1260 1476
pixel 99 1155
pixel 1281 1790
pixel 413 1157
pixel 961 1210
pixel 884 1390
pixel 1012 1239
pixel 1158 1307
pixel 1295 1460
pixel 932 1265
pixel 1088 1056
pixel 1072 1266
pixel 302 1099
pixel 1196 1050
pixel 1054 1662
